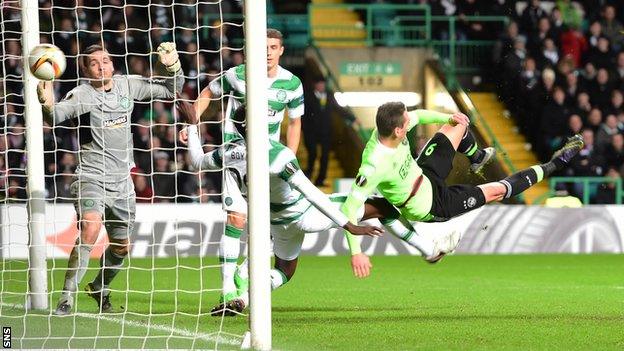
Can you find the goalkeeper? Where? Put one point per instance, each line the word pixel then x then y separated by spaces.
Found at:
pixel 103 189
pixel 298 207
pixel 416 187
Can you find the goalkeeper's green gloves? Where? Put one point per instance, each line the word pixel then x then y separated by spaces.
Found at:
pixel 168 56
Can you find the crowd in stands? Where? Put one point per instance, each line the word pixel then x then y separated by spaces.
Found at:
pixel 130 33
pixel 561 72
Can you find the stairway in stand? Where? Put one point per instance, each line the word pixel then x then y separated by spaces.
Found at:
pixel 336 26
pixel 334 170
pixel 510 139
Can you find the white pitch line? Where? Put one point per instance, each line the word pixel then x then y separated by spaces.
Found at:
pixel 159 327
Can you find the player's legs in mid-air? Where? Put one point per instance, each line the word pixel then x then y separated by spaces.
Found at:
pixel 463 141
pixel 436 160
pixel 432 248
pixel 288 239
pixel 521 181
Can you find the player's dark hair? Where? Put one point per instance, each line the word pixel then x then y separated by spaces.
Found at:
pixel 389 116
pixel 84 59
pixel 239 119
pixel 275 34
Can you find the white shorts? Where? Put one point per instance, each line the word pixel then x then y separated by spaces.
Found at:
pixel 288 238
pixel 233 199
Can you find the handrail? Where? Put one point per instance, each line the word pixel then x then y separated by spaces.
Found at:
pixel 427 8
pixel 281 19
pixel 586 182
pixel 465 104
pixel 399 13
pixel 369 10
pixel 336 86
pixel 323 63
pixel 474 114
pixel 462 99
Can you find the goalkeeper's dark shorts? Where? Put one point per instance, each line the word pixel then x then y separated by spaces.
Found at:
pixel 436 161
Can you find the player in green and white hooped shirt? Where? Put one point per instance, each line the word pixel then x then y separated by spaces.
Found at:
pixel 297 208
pixel 416 187
pixel 101 111
pixel 285 94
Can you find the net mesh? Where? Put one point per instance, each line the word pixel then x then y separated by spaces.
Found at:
pixel 170 280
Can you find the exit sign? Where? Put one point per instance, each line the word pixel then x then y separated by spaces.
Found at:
pixel 371 75
pixel 370 68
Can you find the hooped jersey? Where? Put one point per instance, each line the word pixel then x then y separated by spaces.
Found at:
pixel 287 203
pixel 285 93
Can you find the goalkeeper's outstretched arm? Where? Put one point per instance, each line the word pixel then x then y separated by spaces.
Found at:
pixel 57 113
pixel 45 93
pixel 143 88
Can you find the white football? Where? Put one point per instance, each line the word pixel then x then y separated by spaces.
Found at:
pixel 47 62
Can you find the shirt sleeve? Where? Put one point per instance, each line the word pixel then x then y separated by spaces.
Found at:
pixel 427 117
pixel 66 108
pixel 365 184
pixel 296 106
pixel 142 88
pixel 300 182
pixel 221 85
pixel 199 160
pixel 215 86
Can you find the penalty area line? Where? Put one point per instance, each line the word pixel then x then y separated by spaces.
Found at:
pixel 230 340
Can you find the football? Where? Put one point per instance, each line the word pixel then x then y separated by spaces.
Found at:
pixel 47 62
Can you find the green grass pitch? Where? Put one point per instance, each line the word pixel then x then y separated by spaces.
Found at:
pixel 563 302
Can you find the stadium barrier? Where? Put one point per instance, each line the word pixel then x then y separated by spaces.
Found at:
pixel 588 186
pixel 512 229
pixel 413 26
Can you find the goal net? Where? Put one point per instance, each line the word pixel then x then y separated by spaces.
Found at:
pixel 170 280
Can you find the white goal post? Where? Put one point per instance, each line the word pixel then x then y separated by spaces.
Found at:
pixel 255 20
pixel 258 169
pixel 37 269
